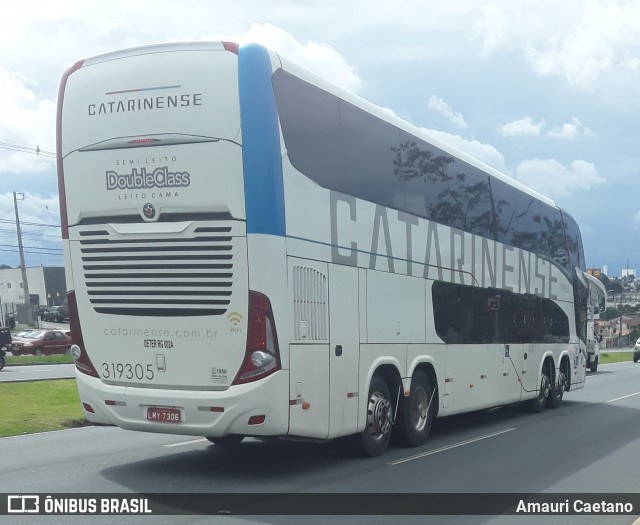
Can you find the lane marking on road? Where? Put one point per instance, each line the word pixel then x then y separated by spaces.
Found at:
pixel 623 397
pixel 449 447
pixel 181 443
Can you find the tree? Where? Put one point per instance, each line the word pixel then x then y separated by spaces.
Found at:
pixel 615 286
pixel 610 313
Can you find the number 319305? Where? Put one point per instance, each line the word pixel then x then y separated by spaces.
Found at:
pixel 127 371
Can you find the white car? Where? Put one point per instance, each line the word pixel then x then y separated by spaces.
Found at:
pixel 636 351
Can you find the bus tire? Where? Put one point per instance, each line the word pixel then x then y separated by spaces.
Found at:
pixel 538 403
pixel 594 365
pixel 415 415
pixel 556 393
pixel 374 439
pixel 226 441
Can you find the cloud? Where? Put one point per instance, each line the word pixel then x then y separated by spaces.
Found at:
pixel 492 29
pixel 579 63
pixel 554 180
pixel 440 106
pixel 25 119
pixel 318 57
pixel 584 43
pixel 602 41
pixel 524 127
pixel 476 149
pixel 570 130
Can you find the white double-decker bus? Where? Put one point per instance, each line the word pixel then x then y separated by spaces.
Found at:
pixel 252 251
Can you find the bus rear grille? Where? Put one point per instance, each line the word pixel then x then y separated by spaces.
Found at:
pixel 163 277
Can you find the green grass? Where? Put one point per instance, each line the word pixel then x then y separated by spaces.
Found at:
pixel 615 357
pixel 38 360
pixel 39 406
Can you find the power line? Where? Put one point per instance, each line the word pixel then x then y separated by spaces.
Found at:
pixel 28 149
pixel 32 247
pixel 42 237
pixel 4 139
pixel 30 223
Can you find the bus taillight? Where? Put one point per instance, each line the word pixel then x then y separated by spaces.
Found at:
pixel 143 142
pixel 231 46
pixel 80 357
pixel 262 354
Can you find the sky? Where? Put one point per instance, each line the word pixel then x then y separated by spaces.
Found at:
pixel 547 92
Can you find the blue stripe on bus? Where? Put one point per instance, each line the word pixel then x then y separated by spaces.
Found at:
pixel 263 187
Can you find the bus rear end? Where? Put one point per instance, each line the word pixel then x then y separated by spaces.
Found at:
pixel 167 335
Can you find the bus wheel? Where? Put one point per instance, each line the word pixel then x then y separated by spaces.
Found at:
pixel 226 441
pixel 556 393
pixel 538 403
pixel 594 365
pixel 415 414
pixel 374 440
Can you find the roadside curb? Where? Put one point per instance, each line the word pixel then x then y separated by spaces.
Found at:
pixel 37 380
pixel 7 365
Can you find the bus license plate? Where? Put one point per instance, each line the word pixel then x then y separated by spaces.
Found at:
pixel 163 414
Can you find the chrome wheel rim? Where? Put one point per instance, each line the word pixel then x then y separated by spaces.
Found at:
pixel 418 406
pixel 544 387
pixel 379 416
pixel 562 383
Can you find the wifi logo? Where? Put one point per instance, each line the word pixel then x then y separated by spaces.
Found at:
pixel 234 318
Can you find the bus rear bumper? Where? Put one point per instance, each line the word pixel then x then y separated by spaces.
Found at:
pixel 254 409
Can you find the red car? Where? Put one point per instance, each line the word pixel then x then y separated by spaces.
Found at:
pixel 39 342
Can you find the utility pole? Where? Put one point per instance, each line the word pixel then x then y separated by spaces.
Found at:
pixel 620 333
pixel 23 268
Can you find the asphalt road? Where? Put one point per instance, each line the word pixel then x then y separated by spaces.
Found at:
pixel 591 444
pixel 37 372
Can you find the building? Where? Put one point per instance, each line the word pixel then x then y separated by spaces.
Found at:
pixel 615 333
pixel 628 272
pixel 47 286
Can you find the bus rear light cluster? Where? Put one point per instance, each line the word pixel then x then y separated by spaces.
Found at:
pixel 262 354
pixel 78 351
pixel 231 46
